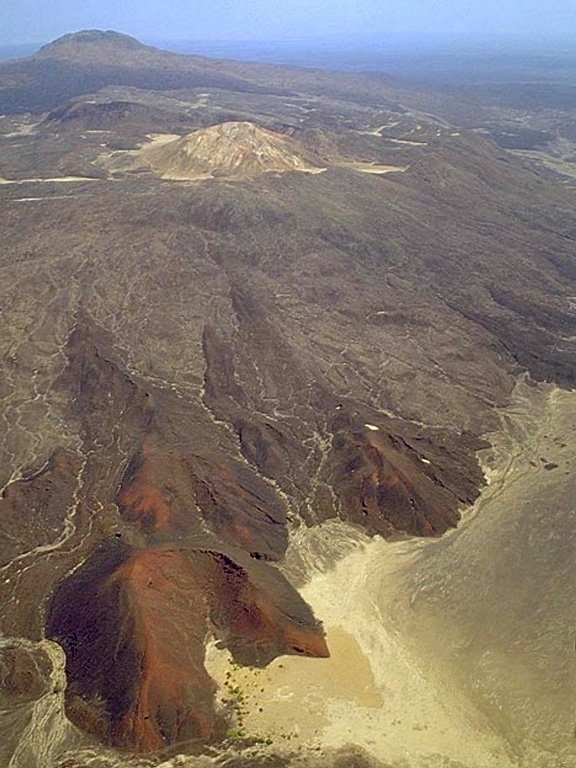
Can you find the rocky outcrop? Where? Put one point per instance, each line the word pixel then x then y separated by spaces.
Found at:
pixel 32 722
pixel 228 150
pixel 183 565
pixel 134 626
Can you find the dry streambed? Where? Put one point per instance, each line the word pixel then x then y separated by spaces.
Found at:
pixel 457 649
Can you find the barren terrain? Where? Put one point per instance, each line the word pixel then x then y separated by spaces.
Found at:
pixel 270 434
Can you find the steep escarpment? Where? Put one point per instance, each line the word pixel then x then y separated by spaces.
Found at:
pixel 134 619
pixel 134 624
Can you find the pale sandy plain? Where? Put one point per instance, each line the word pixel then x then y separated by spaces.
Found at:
pixel 447 653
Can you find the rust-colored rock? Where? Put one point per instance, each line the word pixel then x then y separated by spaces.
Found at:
pixel 385 485
pixel 134 626
pixel 168 494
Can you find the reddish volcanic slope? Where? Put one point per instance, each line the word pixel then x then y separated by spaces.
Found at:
pixel 186 520
pixel 182 553
pixel 134 624
pixel 167 493
pixel 194 530
pixel 133 629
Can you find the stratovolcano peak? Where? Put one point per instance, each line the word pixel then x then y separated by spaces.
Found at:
pixel 76 42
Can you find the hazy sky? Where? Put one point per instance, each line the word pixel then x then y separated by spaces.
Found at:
pixel 538 20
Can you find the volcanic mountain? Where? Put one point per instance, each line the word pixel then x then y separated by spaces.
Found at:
pixel 212 391
pixel 231 150
pixel 87 61
pixel 92 43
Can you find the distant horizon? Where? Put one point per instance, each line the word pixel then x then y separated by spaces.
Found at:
pixel 446 63
pixel 477 43
pixel 525 24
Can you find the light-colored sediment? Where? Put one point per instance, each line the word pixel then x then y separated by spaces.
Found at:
pixel 457 651
pixel 563 164
pixel 227 150
pixel 407 142
pixel 39 199
pixel 375 168
pixel 272 694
